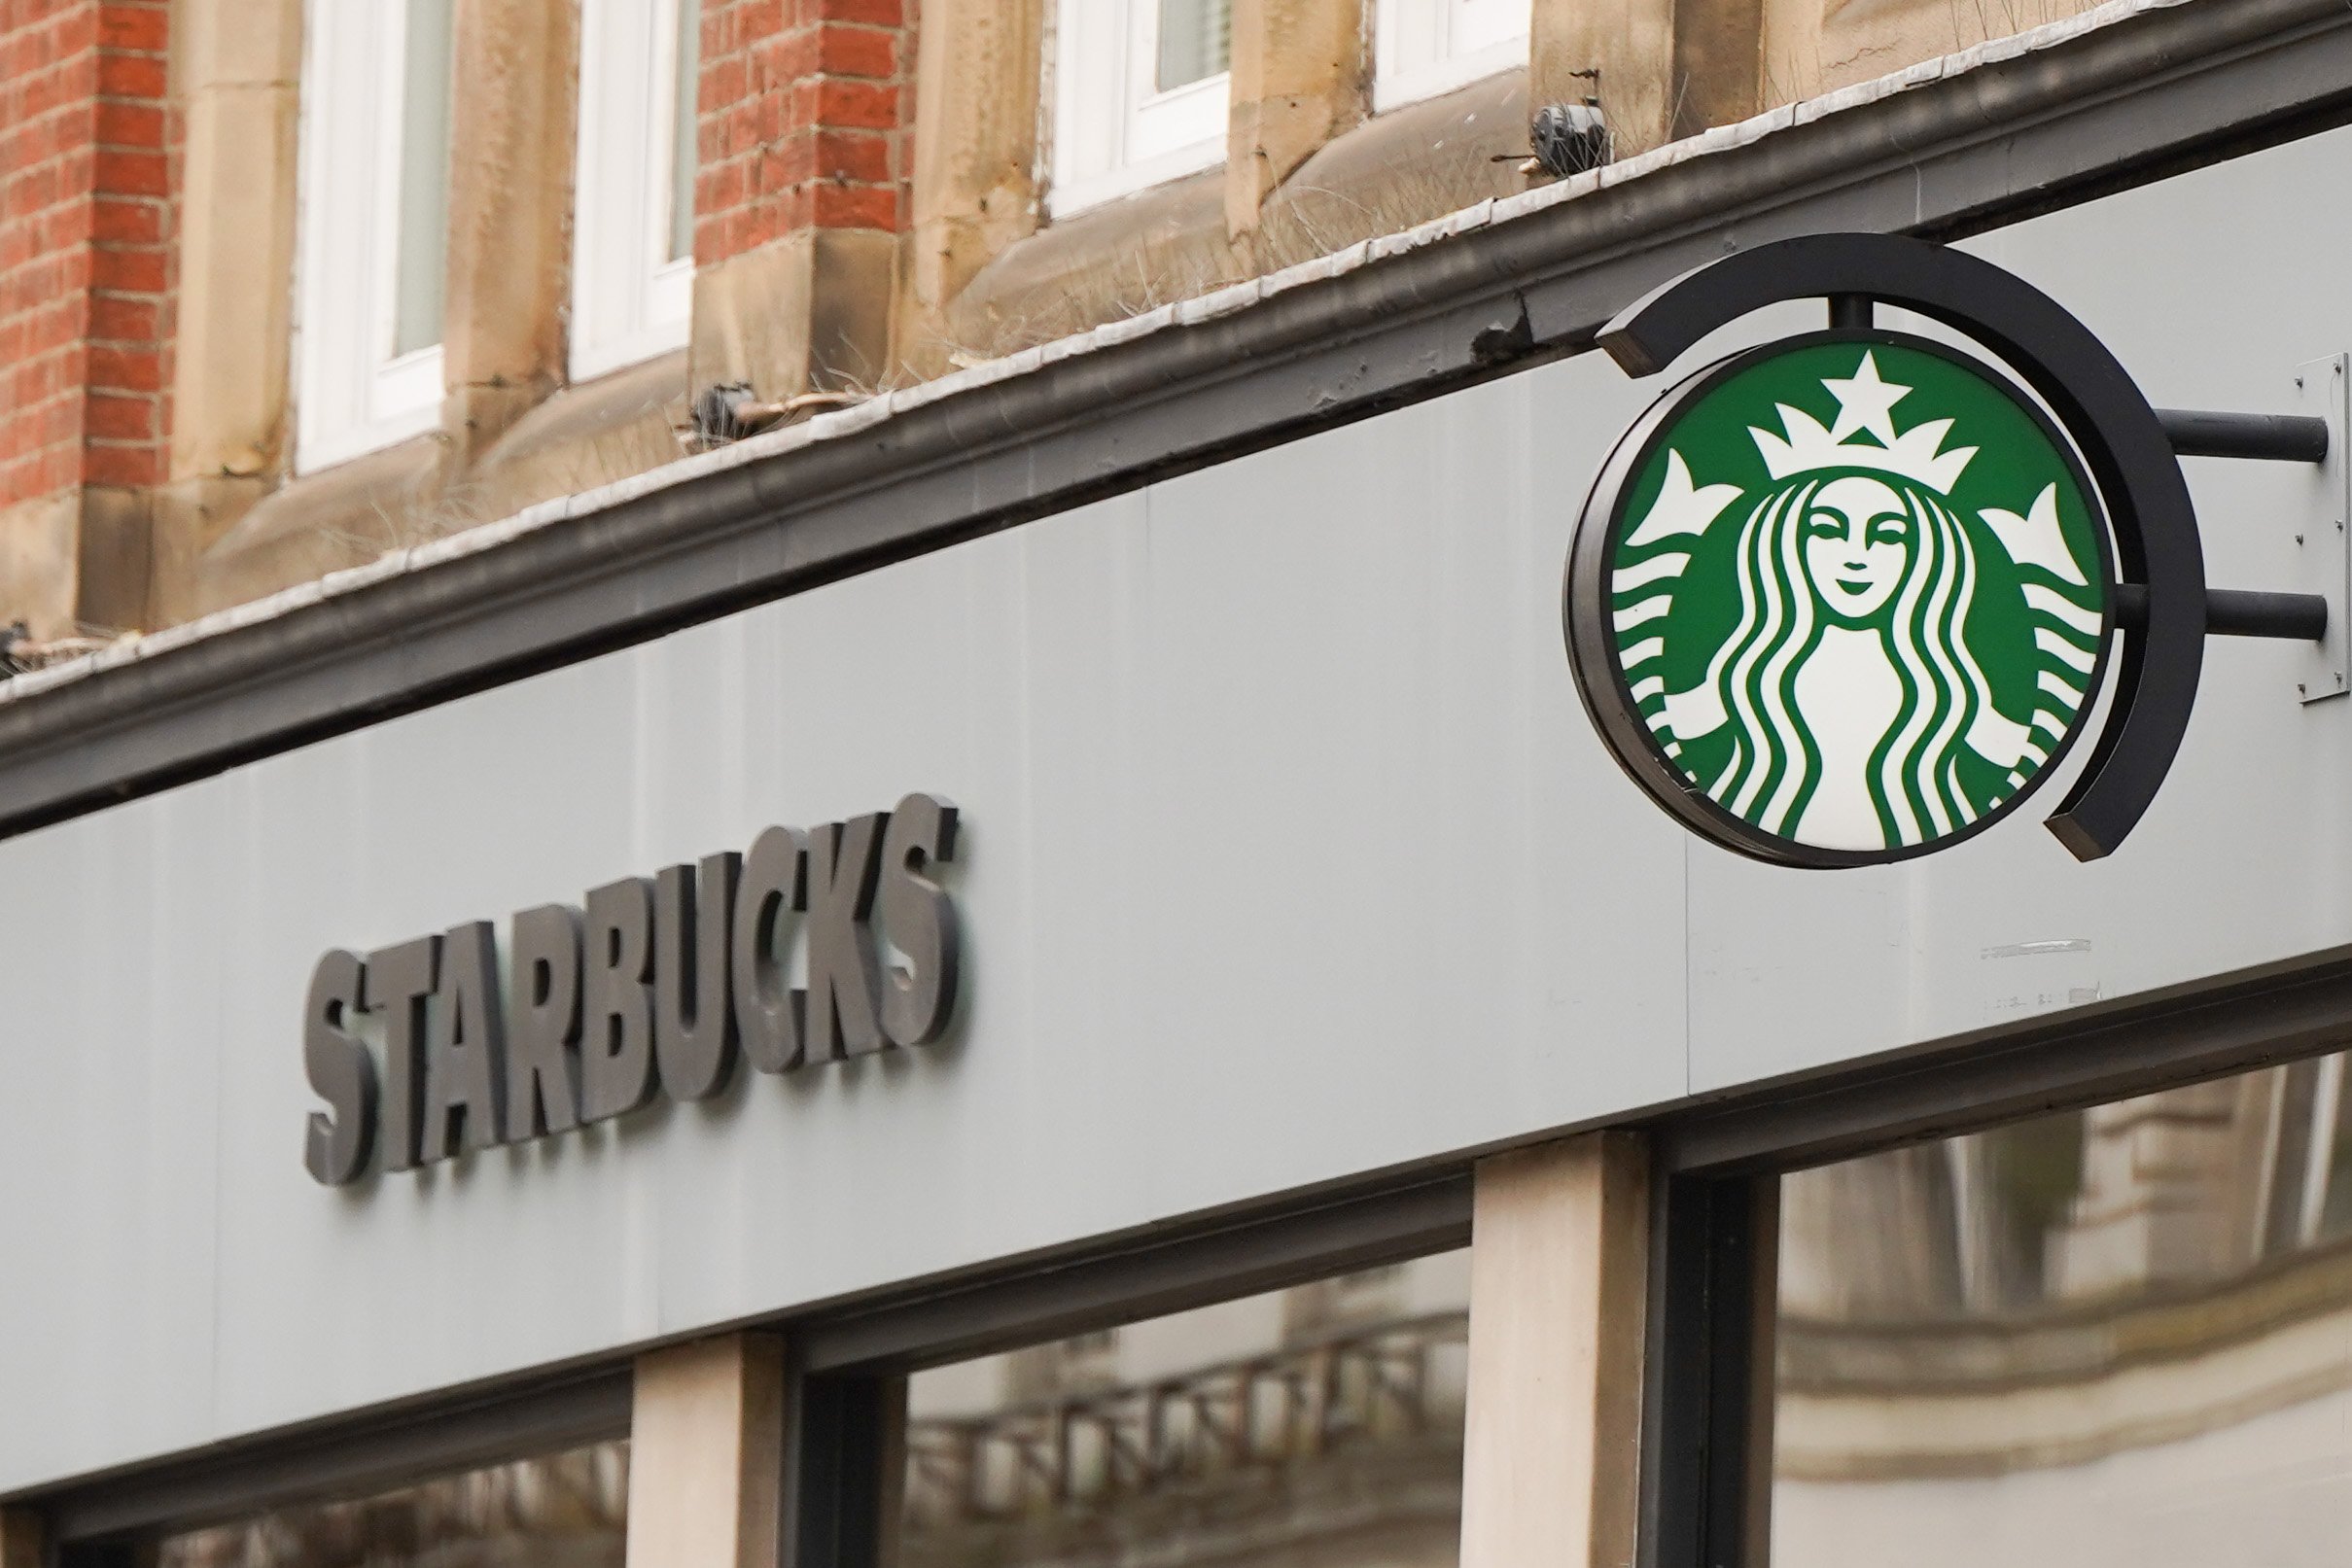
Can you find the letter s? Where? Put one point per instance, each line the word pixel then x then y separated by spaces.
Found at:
pixel 919 919
pixel 338 1140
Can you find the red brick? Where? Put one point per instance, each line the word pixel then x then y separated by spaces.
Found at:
pixel 723 82
pixel 867 52
pixel 743 129
pixel 126 465
pixel 879 13
pixel 75 31
pixel 856 206
pixel 66 227
pixel 133 28
pixel 52 329
pixel 786 56
pixel 129 271
pixel 109 416
pixel 129 124
pixel 126 223
pixel 138 174
pixel 856 103
pixel 125 369
pixel 130 76
pixel 720 188
pixel 114 319
pixel 852 155
pixel 59 422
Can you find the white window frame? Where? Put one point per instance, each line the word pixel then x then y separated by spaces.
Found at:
pixel 353 394
pixel 631 299
pixel 1423 48
pixel 1114 131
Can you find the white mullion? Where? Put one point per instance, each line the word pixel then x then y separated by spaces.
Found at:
pixel 404 390
pixel 629 300
pixel 668 287
pixel 351 396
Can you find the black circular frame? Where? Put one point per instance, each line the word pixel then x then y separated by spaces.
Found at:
pixel 1600 678
pixel 2135 478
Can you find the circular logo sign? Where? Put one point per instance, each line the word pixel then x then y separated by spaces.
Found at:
pixel 1841 599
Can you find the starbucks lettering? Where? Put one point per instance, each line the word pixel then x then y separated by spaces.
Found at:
pixel 652 988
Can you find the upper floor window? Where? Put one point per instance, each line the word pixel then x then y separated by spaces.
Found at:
pixel 374 227
pixel 1422 48
pixel 632 213
pixel 1139 94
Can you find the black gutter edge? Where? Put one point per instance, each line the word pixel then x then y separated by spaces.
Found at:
pixel 2077 1058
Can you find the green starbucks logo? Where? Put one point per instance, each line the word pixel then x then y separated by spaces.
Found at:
pixel 1853 592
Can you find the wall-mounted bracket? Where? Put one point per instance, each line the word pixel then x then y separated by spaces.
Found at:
pixel 2323 565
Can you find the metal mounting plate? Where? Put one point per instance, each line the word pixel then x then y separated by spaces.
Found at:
pixel 2323 563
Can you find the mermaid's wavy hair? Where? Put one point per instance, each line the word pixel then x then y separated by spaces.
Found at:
pixel 1915 779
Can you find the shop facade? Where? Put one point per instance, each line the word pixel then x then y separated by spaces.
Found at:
pixel 1229 1068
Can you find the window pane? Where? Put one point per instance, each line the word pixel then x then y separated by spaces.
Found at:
pixel 2114 1339
pixel 1315 1426
pixel 682 130
pixel 424 216
pixel 1196 38
pixel 567 1510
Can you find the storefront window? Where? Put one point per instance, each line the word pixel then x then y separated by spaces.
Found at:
pixel 2120 1337
pixel 566 1511
pixel 1320 1425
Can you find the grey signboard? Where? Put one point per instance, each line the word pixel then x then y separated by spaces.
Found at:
pixel 1288 855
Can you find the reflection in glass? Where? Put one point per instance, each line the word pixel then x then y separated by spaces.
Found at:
pixel 566 1511
pixel 1318 1427
pixel 1196 40
pixel 2120 1337
pixel 420 260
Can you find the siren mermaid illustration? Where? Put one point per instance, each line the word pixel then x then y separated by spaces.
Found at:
pixel 1849 679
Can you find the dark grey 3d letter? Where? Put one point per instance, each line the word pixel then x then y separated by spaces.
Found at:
pixel 396 982
pixel 919 919
pixel 338 1139
pixel 466 1048
pixel 616 1001
pixel 768 1009
pixel 845 974
pixel 693 1022
pixel 542 1044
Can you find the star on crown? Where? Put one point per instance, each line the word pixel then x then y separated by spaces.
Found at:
pixel 1865 407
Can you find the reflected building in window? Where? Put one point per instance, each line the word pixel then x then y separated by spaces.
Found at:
pixel 564 1511
pixel 1318 1427
pixel 2115 1337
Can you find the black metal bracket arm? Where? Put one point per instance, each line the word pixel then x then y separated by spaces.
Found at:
pixel 2264 438
pixel 2237 612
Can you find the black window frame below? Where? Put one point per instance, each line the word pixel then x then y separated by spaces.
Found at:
pixel 1707 1394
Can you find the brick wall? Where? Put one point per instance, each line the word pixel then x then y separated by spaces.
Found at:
pixel 803 119
pixel 85 221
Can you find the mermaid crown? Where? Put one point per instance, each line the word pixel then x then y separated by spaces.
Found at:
pixel 1865 407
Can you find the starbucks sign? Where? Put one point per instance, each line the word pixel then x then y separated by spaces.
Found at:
pixel 1850 597
pixel 1843 599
